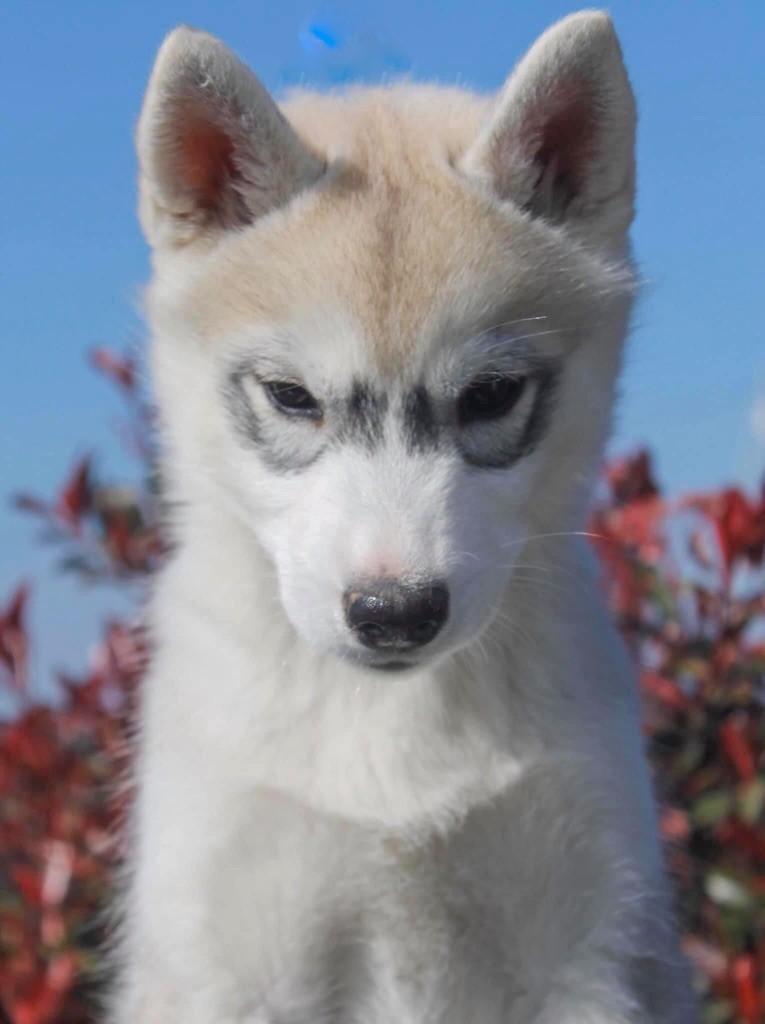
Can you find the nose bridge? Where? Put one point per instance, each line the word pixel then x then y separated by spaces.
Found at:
pixel 401 506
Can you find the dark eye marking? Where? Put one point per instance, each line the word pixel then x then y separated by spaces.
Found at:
pixel 503 449
pixel 246 422
pixel 420 426
pixel 292 399
pixel 364 415
pixel 489 398
pixel 255 433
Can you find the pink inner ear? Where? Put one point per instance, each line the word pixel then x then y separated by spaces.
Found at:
pixel 556 133
pixel 564 124
pixel 204 157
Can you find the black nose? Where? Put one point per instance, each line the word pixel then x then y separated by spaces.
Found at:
pixel 388 614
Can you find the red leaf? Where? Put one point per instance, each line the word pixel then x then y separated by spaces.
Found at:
pixel 120 369
pixel 119 539
pixel 744 838
pixel 13 616
pixel 29 883
pixel 40 1003
pixel 631 478
pixel 735 744
pixel 675 825
pixel 76 497
pixel 739 524
pixel 743 971
pixel 14 642
pixel 30 742
pixel 664 690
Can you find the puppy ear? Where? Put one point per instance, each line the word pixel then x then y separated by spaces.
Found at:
pixel 215 152
pixel 560 138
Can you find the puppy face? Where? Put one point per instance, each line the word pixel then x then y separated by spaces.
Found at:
pixel 399 368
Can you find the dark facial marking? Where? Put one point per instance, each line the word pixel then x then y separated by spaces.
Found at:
pixel 252 432
pixel 245 421
pixel 507 450
pixel 364 415
pixel 541 411
pixel 420 427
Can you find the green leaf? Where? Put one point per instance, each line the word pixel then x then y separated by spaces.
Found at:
pixel 751 800
pixel 719 1012
pixel 711 808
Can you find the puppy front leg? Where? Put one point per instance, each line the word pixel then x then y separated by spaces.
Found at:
pixel 174 964
pixel 150 994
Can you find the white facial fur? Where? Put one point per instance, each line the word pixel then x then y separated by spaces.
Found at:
pixel 424 273
pixel 344 500
pixel 368 506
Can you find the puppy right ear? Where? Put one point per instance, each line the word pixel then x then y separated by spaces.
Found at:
pixel 215 152
pixel 560 138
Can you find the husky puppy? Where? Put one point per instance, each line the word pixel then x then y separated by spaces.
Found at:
pixel 390 765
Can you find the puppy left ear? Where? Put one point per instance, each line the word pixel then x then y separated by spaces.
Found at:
pixel 560 138
pixel 215 151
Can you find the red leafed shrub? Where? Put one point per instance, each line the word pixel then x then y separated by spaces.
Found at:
pixel 686 583
pixel 60 810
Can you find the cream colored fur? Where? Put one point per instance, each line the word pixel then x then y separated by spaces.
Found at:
pixel 316 841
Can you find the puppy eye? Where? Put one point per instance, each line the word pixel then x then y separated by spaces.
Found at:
pixel 292 399
pixel 488 398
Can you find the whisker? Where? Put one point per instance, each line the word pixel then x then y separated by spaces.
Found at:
pixel 516 338
pixel 531 334
pixel 465 554
pixel 510 323
pixel 540 583
pixel 565 533
pixel 504 619
pixel 556 568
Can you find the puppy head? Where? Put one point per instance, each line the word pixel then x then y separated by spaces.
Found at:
pixel 388 324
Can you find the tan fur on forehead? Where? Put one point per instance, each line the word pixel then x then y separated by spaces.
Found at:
pixel 394 240
pixel 392 131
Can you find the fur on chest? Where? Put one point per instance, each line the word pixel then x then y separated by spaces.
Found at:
pixel 321 921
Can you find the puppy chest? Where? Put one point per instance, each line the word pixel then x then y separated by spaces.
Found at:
pixel 370 938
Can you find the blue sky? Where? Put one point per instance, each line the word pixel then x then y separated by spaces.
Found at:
pixel 72 260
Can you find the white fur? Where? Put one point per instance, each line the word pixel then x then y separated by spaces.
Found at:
pixel 472 841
